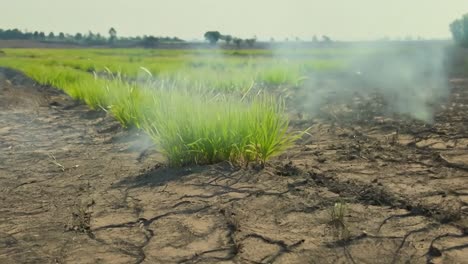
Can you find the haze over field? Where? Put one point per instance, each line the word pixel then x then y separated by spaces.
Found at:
pixel 344 20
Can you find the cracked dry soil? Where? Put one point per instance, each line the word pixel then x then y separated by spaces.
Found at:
pixel 76 188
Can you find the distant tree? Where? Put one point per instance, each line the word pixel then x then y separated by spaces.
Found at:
pixel 150 41
pixel 17 34
pixel 78 36
pixel 112 35
pixel 250 42
pixel 36 34
pixel 326 38
pixel 27 35
pixel 51 35
pixel 459 29
pixel 90 36
pixel 212 36
pixel 238 42
pixel 42 35
pixel 314 38
pixel 14 34
pixel 227 38
pixel 61 36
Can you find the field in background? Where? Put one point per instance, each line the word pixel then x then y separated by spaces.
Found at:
pixel 216 69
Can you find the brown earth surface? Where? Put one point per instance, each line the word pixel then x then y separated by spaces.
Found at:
pixel 76 188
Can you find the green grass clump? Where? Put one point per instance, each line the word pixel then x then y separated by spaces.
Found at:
pixel 199 129
pixel 127 101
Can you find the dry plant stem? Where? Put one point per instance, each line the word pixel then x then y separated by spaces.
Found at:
pixel 54 161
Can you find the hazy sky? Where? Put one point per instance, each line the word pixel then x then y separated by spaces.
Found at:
pixel 188 19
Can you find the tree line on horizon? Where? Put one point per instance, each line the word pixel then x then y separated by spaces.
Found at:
pixel 214 36
pixel 88 39
pixel 149 41
pixel 458 28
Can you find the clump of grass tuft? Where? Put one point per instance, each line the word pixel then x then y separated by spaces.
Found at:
pixel 199 129
pixel 337 222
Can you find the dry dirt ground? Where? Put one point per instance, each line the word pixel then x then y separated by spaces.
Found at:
pixel 76 188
